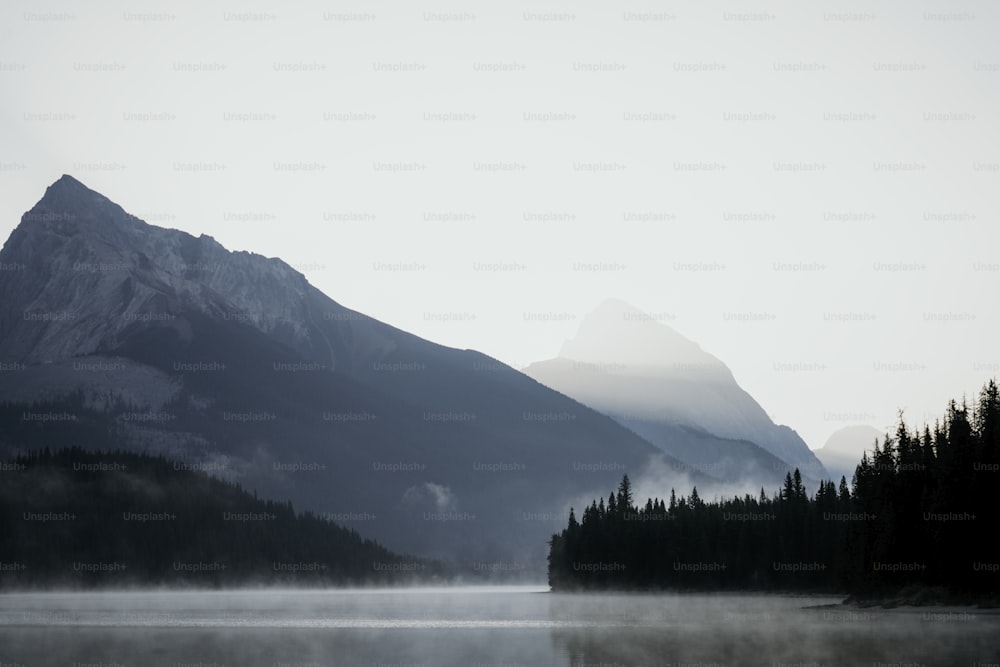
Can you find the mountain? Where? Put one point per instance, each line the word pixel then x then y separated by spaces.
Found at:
pixel 842 451
pixel 233 363
pixel 652 379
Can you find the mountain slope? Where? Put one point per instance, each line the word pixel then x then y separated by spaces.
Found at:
pixel 664 386
pixel 234 362
pixel 842 451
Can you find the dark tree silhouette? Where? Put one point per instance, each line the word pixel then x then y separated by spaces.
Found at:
pixel 918 515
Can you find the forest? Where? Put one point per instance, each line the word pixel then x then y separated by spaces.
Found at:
pixel 918 519
pixel 78 519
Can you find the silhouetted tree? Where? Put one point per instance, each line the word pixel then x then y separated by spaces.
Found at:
pixel 918 510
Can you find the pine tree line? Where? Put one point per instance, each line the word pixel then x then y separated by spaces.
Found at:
pixel 919 513
pixel 84 519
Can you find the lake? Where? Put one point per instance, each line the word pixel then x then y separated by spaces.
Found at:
pixel 502 626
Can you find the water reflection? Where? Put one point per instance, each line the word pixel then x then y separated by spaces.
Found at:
pixel 483 627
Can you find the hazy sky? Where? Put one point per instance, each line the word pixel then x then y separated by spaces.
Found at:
pixel 807 189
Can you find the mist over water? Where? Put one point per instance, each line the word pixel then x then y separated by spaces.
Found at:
pixel 479 626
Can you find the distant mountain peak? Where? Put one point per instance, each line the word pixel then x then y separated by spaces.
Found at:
pixel 614 304
pixel 843 449
pixel 618 332
pixel 636 367
pixel 853 440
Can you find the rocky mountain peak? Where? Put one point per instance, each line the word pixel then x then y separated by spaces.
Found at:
pixel 82 258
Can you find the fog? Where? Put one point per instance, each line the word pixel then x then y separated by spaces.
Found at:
pixel 479 626
pixel 570 153
pixel 798 200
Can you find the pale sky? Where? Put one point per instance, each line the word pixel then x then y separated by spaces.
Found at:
pixel 807 189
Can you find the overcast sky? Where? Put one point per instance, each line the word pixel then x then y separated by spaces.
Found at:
pixel 807 189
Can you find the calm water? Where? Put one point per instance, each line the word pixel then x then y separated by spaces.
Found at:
pixel 484 627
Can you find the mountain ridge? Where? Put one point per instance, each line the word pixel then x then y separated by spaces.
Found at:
pixel 234 360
